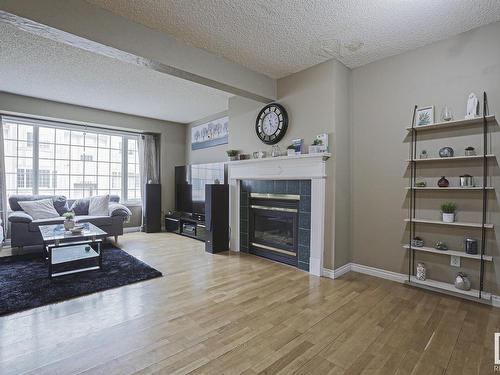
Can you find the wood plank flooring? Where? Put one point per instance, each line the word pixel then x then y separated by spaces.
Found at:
pixel 239 314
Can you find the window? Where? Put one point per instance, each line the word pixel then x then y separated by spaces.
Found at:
pixel 203 174
pixel 24 179
pixel 44 179
pixel 47 158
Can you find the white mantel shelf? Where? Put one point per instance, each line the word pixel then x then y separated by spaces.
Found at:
pixel 306 166
pixel 323 156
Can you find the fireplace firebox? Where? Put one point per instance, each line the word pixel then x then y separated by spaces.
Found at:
pixel 273 226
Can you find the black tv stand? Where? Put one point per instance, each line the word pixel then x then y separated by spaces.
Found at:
pixel 186 224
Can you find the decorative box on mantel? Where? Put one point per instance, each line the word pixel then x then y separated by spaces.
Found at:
pixel 279 175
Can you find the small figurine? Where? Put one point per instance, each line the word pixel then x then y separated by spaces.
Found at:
pixel 472 106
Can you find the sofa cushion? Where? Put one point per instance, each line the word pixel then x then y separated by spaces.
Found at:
pixel 80 206
pixel 59 201
pixel 40 209
pixel 96 220
pixel 99 205
pixel 33 226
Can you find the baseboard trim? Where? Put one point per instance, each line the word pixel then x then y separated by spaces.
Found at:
pixel 378 272
pixel 495 300
pixel 333 274
pixel 388 275
pixel 367 270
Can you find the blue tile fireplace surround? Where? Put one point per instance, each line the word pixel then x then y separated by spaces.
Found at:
pixel 302 230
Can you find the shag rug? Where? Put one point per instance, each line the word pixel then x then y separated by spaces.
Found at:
pixel 24 281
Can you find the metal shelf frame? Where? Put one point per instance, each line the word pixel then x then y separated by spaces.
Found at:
pixel 412 219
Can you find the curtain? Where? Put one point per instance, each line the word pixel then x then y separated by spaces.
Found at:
pixel 3 191
pixel 149 162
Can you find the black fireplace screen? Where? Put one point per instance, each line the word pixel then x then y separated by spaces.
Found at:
pixel 274 224
pixel 275 228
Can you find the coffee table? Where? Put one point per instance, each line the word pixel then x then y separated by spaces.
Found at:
pixel 69 253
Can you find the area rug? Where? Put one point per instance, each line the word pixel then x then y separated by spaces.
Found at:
pixel 24 281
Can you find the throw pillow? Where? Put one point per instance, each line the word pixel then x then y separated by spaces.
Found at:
pixel 80 207
pixel 41 209
pixel 99 205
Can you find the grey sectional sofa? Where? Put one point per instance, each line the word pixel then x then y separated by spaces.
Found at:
pixel 24 230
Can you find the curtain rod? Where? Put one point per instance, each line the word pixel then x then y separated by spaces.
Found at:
pixel 63 122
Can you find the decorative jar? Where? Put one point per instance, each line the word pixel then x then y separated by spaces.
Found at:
pixel 421 271
pixel 462 281
pixel 443 182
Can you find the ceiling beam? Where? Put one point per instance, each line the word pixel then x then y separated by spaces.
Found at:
pixel 80 25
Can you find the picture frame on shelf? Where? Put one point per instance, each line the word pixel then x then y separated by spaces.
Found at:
pixel 424 116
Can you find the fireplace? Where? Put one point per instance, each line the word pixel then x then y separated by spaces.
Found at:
pixel 273 226
pixel 303 175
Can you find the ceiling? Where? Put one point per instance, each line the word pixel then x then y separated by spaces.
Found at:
pixel 38 67
pixel 280 37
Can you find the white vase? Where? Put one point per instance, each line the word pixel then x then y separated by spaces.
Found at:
pixel 448 218
pixel 290 152
pixel 69 224
pixel 421 272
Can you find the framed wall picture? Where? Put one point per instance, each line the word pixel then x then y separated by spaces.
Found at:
pixel 210 134
pixel 424 116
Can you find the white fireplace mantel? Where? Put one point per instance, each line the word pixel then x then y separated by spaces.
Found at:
pixel 301 167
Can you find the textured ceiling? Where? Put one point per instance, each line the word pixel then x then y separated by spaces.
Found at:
pixel 279 37
pixel 34 66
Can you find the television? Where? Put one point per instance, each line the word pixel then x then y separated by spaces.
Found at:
pixel 190 181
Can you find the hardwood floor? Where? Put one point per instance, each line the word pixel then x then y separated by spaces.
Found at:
pixel 239 314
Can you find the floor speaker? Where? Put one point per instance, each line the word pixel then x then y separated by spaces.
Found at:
pixel 152 208
pixel 216 218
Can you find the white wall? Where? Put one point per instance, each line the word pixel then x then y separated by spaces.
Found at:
pixel 173 135
pixel 383 96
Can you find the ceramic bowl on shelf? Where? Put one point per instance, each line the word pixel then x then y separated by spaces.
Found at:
pixel 446 152
pixel 417 242
pixel 440 245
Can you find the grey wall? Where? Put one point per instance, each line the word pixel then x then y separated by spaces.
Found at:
pixel 317 101
pixel 173 135
pixel 383 96
pixel 365 111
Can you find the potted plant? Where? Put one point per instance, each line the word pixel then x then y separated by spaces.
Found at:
pixel 290 150
pixel 233 154
pixel 69 223
pixel 315 147
pixel 448 210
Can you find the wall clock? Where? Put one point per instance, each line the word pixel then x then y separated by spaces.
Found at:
pixel 271 123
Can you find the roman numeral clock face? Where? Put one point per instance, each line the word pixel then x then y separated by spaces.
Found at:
pixel 272 123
